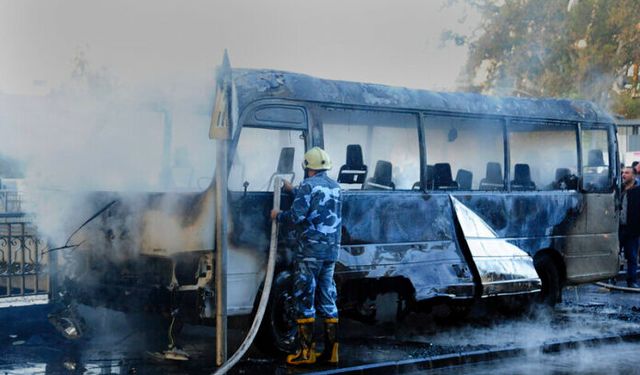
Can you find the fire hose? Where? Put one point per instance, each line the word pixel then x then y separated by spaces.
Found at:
pixel 616 287
pixel 613 286
pixel 266 289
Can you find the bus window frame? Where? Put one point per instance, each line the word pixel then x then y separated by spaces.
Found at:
pixel 317 109
pixel 612 154
pixel 307 130
pixel 533 121
pixel 505 148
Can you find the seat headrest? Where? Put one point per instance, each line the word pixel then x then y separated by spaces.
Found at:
pixel 285 163
pixel 522 173
pixel 382 173
pixel 595 158
pixel 354 158
pixel 464 179
pixel 562 173
pixel 442 174
pixel 430 172
pixel 494 172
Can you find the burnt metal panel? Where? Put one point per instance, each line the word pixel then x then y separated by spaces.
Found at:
pixel 254 84
pixel 277 115
pixel 537 216
pixel 503 267
pixel 580 227
pixel 401 216
pixel 404 234
pixel 249 213
pixel 434 268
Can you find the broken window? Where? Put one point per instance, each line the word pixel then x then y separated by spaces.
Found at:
pixel 372 150
pixel 258 158
pixel 464 153
pixel 544 156
pixel 595 161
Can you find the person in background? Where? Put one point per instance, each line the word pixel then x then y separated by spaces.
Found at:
pixel 629 229
pixel 316 215
pixel 636 171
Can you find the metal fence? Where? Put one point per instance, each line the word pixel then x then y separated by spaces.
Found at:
pixel 24 264
pixel 10 201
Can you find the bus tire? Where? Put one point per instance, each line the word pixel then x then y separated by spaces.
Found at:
pixel 550 277
pixel 278 331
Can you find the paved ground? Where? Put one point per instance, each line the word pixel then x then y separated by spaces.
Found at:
pixel 120 344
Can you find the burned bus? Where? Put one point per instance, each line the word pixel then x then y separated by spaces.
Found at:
pixel 447 198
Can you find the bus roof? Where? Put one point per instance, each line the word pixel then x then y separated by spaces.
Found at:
pixel 255 84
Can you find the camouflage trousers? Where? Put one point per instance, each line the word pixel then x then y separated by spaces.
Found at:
pixel 313 286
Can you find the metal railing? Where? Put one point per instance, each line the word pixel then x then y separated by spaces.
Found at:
pixel 24 263
pixel 10 201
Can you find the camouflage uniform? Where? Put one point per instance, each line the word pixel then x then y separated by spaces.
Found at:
pixel 316 214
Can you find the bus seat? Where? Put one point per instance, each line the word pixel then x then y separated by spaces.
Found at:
pixel 429 184
pixel 430 173
pixel 562 173
pixel 285 164
pixel 595 158
pixel 353 171
pixel 522 178
pixel 442 179
pixel 493 179
pixel 381 179
pixel 565 180
pixel 464 178
pixel 596 172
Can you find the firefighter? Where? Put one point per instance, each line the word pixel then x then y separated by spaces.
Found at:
pixel 316 215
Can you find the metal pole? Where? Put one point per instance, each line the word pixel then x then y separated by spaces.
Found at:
pixel 221 252
pixel 166 179
pixel 220 130
pixel 266 290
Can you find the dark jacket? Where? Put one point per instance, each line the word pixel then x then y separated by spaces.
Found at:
pixel 633 210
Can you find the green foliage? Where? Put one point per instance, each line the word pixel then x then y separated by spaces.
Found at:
pixel 548 48
pixel 626 106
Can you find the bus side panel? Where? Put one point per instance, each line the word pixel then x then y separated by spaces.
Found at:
pixel 556 220
pixel 594 256
pixel 403 234
pixel 249 237
pixel 385 235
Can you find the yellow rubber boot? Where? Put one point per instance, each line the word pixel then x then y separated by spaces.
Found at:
pixel 306 354
pixel 330 352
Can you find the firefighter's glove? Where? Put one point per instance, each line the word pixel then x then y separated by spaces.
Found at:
pixel 274 213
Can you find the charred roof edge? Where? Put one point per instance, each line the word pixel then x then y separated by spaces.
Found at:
pixel 256 84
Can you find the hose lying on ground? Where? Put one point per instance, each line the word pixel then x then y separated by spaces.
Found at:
pixel 616 287
pixel 266 290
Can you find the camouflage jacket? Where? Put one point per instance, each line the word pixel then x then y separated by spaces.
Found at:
pixel 316 215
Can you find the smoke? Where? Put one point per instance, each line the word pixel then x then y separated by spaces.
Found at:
pixel 618 359
pixel 93 134
pixel 568 322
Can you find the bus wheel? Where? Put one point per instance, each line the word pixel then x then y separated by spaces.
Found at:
pixel 550 277
pixel 277 334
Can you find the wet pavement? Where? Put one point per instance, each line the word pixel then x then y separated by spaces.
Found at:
pixel 117 343
pixel 618 359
